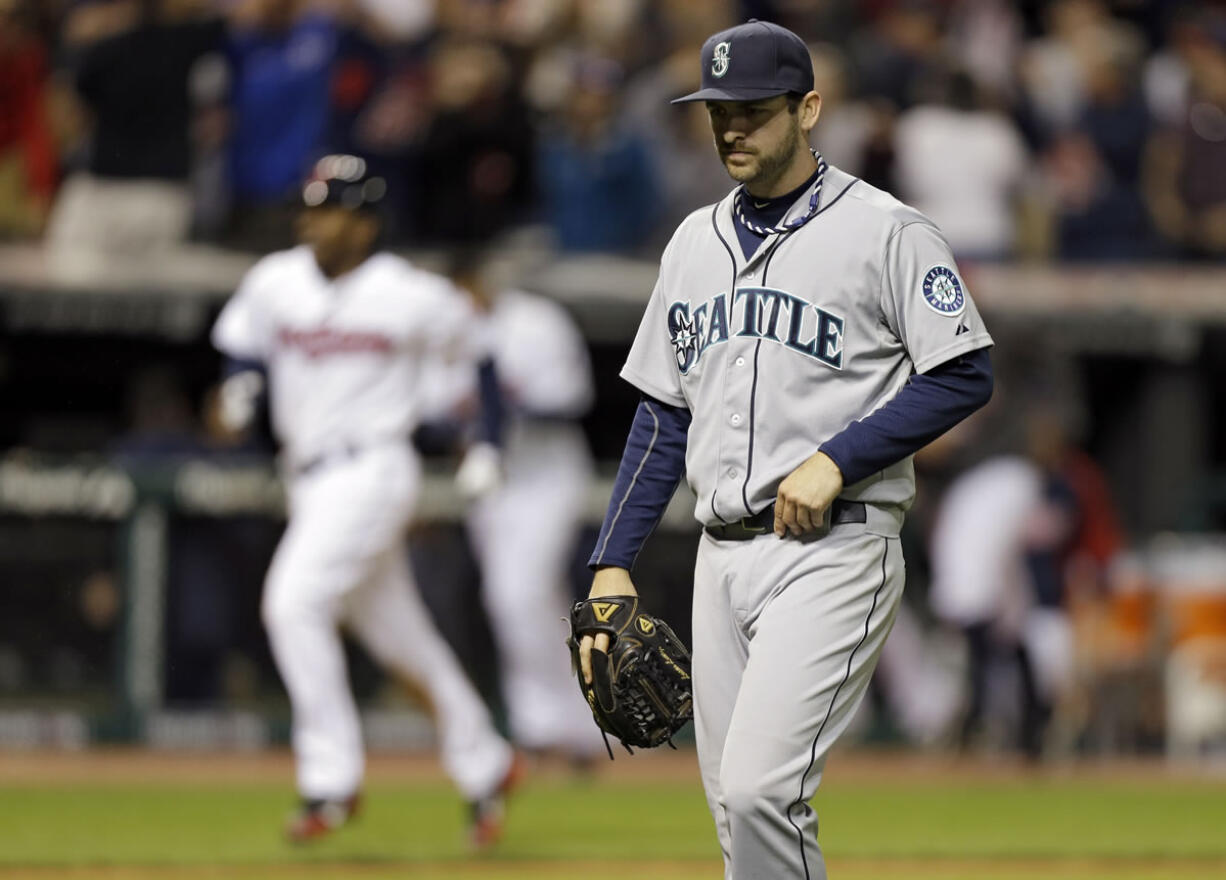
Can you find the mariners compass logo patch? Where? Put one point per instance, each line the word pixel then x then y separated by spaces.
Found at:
pixel 685 340
pixel 943 291
pixel 720 57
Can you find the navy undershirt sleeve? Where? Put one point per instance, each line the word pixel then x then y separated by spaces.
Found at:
pixel 233 365
pixel 927 406
pixel 652 465
pixel 492 408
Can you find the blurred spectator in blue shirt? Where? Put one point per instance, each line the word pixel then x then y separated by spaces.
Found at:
pixel 598 186
pixel 1096 167
pixel 282 53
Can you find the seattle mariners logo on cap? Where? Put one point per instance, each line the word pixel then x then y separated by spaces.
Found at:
pixel 943 291
pixel 770 60
pixel 720 57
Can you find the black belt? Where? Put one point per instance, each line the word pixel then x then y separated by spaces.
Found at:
pixel 332 456
pixel 749 527
pixel 338 454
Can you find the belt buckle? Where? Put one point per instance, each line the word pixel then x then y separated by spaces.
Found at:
pixel 747 525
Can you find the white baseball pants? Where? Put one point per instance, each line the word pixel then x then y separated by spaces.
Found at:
pixel 523 537
pixel 786 636
pixel 342 562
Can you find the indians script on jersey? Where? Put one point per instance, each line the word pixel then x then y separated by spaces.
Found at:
pixel 321 341
pixel 757 313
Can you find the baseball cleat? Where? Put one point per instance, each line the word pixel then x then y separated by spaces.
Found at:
pixel 317 818
pixel 487 815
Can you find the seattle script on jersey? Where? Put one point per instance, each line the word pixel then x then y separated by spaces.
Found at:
pixel 757 313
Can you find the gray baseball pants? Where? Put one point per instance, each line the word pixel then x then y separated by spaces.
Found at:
pixel 787 633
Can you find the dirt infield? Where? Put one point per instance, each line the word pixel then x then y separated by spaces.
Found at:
pixel 844 869
pixel 217 768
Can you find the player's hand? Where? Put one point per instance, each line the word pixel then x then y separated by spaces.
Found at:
pixel 610 581
pixel 480 473
pixel 238 400
pixel 805 494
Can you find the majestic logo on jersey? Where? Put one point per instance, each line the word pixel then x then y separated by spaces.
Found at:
pixel 322 341
pixel 720 58
pixel 943 291
pixel 757 313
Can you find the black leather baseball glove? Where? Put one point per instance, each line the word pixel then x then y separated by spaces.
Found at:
pixel 640 691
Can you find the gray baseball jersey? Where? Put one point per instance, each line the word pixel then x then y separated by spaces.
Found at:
pixel 776 354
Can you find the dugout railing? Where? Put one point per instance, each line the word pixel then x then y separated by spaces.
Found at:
pixel 139 501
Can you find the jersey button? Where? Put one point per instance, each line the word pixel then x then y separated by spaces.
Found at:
pixel 740 362
pixel 733 473
pixel 735 419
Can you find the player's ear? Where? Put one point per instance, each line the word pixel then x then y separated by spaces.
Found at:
pixel 369 228
pixel 810 109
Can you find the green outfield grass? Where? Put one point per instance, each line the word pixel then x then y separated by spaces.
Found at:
pixel 1074 828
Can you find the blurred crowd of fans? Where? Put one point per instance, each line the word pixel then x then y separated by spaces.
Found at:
pixel 1049 129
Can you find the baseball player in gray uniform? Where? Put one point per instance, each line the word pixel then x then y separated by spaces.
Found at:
pixel 807 334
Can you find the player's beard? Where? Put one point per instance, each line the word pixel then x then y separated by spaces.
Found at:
pixel 769 167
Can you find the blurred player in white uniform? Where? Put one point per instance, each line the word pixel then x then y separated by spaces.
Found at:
pixel 340 335
pixel 523 534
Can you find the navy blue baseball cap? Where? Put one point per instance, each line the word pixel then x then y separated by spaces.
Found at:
pixel 345 181
pixel 754 60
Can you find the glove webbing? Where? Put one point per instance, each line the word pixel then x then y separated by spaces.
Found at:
pixel 643 703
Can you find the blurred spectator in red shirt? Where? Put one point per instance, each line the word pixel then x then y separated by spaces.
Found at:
pixel 28 162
